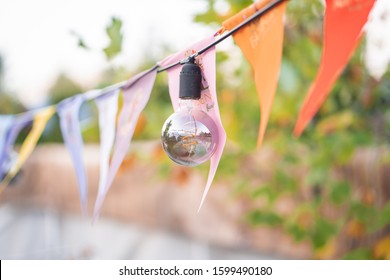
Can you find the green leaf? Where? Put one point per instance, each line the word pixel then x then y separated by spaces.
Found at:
pixel 114 33
pixel 322 232
pixel 368 215
pixel 385 215
pixel 297 231
pixel 285 181
pixel 209 16
pixel 259 217
pixel 222 57
pixel 340 192
pixel 266 191
pixel 359 254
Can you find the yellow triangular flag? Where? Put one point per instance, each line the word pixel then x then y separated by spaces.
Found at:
pixel 40 120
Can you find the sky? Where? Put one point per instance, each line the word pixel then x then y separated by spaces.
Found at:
pixel 36 41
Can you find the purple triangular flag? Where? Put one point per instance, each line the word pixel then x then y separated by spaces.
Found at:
pixel 68 111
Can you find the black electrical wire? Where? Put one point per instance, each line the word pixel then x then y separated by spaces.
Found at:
pixel 259 13
pixel 126 84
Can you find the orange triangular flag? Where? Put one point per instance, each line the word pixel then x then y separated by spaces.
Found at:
pixel 261 42
pixel 343 24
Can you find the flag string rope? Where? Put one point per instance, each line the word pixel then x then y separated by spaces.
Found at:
pixel 259 13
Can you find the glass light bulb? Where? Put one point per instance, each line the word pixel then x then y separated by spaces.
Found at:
pixel 189 136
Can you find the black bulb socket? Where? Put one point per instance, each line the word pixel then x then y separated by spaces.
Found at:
pixel 190 81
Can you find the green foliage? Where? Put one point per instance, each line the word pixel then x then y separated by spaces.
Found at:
pixel 359 254
pixel 298 232
pixel 340 192
pixel 114 33
pixel 384 218
pixel 366 214
pixel 265 218
pixel 209 16
pixel 322 231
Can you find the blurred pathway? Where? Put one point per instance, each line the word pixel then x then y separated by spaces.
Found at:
pixel 27 233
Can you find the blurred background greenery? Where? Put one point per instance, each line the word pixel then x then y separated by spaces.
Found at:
pixel 340 215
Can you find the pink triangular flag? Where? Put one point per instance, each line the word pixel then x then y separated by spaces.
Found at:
pixel 209 100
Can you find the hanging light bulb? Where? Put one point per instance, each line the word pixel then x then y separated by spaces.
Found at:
pixel 190 136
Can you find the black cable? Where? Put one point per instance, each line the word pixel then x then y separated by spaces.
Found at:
pixel 262 11
pixel 259 13
pixel 126 84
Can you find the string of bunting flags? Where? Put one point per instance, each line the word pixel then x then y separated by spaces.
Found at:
pixel 258 30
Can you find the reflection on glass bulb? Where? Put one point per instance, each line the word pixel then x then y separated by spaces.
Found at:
pixel 189 136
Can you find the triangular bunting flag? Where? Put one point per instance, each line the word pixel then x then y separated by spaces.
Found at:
pixel 68 111
pixel 261 42
pixel 108 107
pixel 40 120
pixel 343 24
pixel 136 94
pixel 208 99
